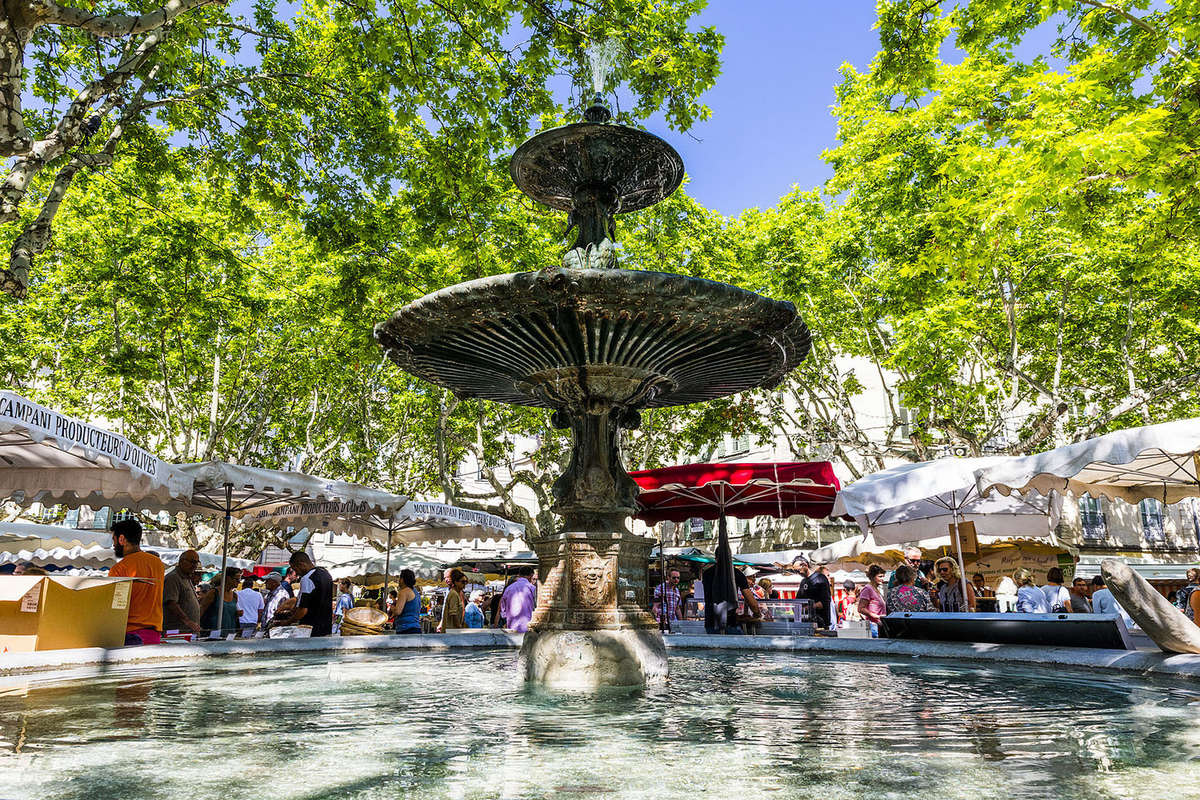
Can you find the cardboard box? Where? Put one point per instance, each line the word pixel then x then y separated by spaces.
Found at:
pixel 41 612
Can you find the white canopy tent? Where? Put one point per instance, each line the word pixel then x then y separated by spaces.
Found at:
pixel 853 548
pixel 912 502
pixel 52 458
pixel 370 570
pixel 96 557
pixel 51 536
pixel 1160 462
pixel 235 491
pixel 392 520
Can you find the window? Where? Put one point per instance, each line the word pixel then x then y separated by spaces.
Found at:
pixel 741 444
pixel 904 420
pixel 1091 516
pixel 1152 520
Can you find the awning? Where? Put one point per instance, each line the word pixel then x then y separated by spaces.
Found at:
pixel 745 490
pixel 1160 462
pixel 372 570
pixel 51 458
pixel 1151 570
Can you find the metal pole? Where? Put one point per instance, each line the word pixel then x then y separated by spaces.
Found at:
pixel 220 599
pixel 1196 474
pixel 387 568
pixel 664 621
pixel 962 567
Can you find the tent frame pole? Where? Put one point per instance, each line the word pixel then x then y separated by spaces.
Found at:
pixel 387 568
pixel 224 554
pixel 664 620
pixel 962 567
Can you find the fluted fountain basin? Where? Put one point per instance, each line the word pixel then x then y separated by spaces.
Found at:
pixel 564 337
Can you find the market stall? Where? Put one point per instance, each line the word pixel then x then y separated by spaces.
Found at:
pixel 391 520
pixel 914 502
pixel 51 458
pixel 742 490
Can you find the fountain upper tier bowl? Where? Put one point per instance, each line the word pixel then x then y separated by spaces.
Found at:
pixel 635 168
pixel 593 339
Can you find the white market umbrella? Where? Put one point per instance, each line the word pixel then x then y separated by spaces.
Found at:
pixel 375 513
pixel 236 491
pixel 98 557
pixel 1160 462
pixel 51 458
pixel 369 569
pixel 911 502
pixel 390 519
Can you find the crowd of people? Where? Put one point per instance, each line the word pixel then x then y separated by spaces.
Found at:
pixel 179 601
pixel 914 585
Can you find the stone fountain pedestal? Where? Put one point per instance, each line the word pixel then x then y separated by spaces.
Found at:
pixel 591 628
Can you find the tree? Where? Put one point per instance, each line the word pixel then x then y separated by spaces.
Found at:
pixel 344 97
pixel 1026 226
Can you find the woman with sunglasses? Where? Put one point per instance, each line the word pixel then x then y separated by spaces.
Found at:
pixel 950 593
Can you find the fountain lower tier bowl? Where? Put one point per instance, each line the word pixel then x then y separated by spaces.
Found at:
pixel 593 339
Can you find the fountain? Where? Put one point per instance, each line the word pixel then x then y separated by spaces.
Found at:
pixel 595 344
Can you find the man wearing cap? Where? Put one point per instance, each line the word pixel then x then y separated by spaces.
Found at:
pixel 181 607
pixel 276 594
pixel 146 595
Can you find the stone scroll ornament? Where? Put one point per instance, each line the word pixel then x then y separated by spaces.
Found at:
pixel 1161 621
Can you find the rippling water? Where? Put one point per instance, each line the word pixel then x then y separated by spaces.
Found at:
pixel 459 725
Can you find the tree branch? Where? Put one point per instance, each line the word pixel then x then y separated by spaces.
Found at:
pixel 114 26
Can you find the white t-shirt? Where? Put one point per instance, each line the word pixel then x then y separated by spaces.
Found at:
pixel 1057 597
pixel 1031 600
pixel 250 602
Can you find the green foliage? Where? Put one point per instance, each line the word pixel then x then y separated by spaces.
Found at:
pixel 1029 224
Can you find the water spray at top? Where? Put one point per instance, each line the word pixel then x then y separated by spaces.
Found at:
pixel 602 58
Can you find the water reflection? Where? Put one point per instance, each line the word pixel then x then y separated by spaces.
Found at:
pixel 460 726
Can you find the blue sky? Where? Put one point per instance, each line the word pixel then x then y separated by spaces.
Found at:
pixel 771 105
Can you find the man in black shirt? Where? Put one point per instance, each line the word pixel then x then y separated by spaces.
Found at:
pixel 711 622
pixel 820 594
pixel 315 606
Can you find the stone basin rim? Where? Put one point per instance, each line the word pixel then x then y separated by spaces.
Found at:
pixel 84 663
pixel 578 288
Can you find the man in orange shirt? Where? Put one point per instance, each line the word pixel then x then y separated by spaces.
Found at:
pixel 146 594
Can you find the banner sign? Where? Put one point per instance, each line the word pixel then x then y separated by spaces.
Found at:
pixel 17 413
pixel 316 508
pixel 467 515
